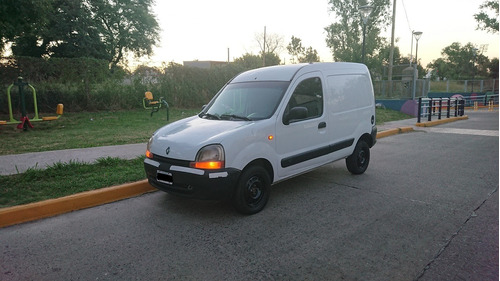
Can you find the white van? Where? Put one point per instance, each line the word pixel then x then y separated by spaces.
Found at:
pixel 265 126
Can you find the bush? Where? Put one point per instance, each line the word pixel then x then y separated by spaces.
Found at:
pixel 84 84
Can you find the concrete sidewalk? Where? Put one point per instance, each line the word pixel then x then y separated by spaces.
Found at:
pixel 19 163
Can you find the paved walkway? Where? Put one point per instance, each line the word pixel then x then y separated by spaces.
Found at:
pixel 19 163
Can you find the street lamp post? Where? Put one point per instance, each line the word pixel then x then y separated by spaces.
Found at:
pixel 474 52
pixel 417 35
pixel 365 11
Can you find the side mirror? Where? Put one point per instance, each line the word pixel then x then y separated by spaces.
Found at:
pixel 297 113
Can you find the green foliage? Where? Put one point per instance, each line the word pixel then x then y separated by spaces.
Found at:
pixel 487 21
pixel 295 48
pixel 249 61
pixel 26 16
pixel 300 53
pixel 493 68
pixel 62 179
pixel 387 115
pixel 97 29
pixel 460 62
pixel 84 84
pixel 345 36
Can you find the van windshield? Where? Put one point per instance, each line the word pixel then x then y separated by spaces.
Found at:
pixel 246 101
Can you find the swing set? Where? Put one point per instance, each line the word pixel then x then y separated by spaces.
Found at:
pixel 24 122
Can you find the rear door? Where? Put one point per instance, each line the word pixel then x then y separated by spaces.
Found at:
pixel 302 141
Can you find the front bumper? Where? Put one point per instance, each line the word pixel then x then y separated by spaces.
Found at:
pixel 176 177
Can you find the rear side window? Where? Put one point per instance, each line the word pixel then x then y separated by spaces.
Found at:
pixel 349 92
pixel 308 98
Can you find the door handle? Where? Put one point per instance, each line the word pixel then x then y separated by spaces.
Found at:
pixel 322 125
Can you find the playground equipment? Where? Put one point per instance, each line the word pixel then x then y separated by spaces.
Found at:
pixel 154 105
pixel 24 122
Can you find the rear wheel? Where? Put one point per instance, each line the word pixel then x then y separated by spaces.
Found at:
pixel 252 191
pixel 358 162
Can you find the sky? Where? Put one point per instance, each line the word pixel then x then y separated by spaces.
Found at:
pixel 205 30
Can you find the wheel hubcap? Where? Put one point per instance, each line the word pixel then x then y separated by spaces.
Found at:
pixel 361 158
pixel 253 190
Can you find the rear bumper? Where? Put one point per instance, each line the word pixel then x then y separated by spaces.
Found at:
pixel 189 182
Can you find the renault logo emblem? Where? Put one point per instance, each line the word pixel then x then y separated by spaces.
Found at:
pixel 168 150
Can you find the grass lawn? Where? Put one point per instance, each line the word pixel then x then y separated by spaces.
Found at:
pixel 65 179
pixel 89 129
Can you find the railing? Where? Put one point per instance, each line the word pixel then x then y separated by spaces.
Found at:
pixel 464 86
pixel 447 107
pixel 480 100
pixel 403 89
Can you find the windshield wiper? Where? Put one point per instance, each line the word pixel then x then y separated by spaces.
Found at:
pixel 234 116
pixel 212 116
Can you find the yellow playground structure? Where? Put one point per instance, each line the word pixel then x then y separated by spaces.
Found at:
pixel 149 103
pixel 24 122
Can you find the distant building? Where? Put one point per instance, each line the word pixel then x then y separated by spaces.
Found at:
pixel 204 64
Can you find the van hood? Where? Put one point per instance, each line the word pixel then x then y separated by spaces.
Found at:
pixel 184 138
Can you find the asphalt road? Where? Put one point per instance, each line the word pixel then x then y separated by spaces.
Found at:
pixel 426 209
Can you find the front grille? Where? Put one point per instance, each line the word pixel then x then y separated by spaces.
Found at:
pixel 171 161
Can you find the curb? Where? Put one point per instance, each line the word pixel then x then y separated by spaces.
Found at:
pixel 442 121
pixel 43 209
pixel 392 132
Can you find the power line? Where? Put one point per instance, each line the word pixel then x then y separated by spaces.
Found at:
pixel 406 14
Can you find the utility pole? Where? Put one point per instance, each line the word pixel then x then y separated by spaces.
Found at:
pixel 264 49
pixel 391 54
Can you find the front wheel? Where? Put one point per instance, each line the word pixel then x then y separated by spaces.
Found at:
pixel 252 191
pixel 358 162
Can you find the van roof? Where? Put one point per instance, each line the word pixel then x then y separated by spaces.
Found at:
pixel 288 72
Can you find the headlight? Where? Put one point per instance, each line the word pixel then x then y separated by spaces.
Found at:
pixel 149 154
pixel 210 157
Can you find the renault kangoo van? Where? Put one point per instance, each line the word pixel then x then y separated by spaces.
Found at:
pixel 265 126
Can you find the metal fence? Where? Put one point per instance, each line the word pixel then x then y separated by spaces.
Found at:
pixel 440 107
pixel 403 89
pixel 400 89
pixel 464 86
pixel 477 101
pixel 453 106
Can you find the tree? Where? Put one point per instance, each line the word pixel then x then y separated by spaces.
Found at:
pixel 301 54
pixel 22 18
pixel 125 26
pixel 295 48
pixel 250 61
pixel 485 20
pixel 71 32
pixel 271 44
pixel 493 68
pixel 102 29
pixel 460 62
pixel 310 55
pixel 345 36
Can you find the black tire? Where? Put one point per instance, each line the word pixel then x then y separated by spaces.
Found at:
pixel 358 162
pixel 252 191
